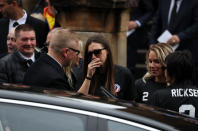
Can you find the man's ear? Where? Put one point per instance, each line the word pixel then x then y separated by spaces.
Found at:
pixel 65 52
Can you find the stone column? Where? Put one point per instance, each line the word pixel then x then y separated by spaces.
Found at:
pixel 107 17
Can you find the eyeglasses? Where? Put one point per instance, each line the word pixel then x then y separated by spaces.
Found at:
pixel 77 51
pixel 95 52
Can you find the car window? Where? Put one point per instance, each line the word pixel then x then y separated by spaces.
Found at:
pixel 116 126
pixel 26 118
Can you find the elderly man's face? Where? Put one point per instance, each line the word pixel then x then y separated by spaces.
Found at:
pixel 11 41
pixel 26 42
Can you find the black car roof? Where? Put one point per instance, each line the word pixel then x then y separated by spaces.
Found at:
pixel 154 117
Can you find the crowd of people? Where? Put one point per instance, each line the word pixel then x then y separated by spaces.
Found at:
pixel 42 54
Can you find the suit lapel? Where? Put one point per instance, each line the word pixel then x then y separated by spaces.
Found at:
pixel 27 20
pixel 37 54
pixel 166 10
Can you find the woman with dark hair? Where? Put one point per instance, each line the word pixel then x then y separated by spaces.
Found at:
pixel 101 74
pixel 181 95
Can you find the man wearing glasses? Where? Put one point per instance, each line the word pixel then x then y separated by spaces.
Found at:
pixel 48 70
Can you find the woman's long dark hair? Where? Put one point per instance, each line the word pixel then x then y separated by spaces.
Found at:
pixel 109 66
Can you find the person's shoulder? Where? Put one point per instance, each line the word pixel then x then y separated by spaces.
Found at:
pixel 34 19
pixel 7 57
pixel 164 91
pixel 4 20
pixel 191 86
pixel 159 96
pixel 40 65
pixel 9 61
pixel 3 24
pixel 42 57
pixel 139 82
pixel 31 20
pixel 44 61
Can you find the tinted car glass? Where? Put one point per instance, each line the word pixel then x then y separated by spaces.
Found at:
pixel 27 118
pixel 116 126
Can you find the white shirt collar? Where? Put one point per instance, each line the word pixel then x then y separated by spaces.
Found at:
pixel 22 20
pixel 27 58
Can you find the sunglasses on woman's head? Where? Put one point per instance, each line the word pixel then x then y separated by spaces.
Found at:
pixel 95 52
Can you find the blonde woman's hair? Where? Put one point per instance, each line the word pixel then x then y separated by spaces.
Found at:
pixel 68 69
pixel 161 50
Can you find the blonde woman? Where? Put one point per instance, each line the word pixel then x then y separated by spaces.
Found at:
pixel 154 79
pixel 74 71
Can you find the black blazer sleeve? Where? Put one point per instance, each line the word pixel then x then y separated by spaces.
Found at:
pixel 189 18
pixel 3 36
pixel 143 13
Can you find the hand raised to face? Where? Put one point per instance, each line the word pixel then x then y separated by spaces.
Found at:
pixel 95 63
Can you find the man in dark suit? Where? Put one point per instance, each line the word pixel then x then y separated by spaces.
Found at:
pixel 14 65
pixel 139 19
pixel 14 15
pixel 184 27
pixel 48 71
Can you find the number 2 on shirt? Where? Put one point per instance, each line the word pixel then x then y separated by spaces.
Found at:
pixel 145 96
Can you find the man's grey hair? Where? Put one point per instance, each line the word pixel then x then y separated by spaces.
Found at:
pixel 19 2
pixel 62 38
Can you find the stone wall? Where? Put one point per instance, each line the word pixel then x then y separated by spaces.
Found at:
pixel 88 17
pixel 112 24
